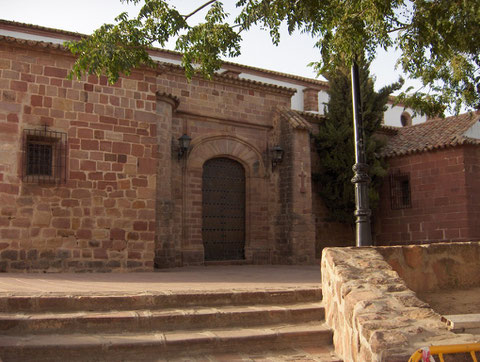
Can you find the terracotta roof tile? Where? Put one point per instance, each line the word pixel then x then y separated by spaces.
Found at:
pixel 388 130
pixel 441 133
pixel 312 117
pixel 69 34
pixel 36 43
pixel 295 120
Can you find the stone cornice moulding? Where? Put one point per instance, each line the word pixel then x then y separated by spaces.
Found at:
pixel 168 98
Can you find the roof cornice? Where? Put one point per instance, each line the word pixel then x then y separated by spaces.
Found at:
pixel 69 35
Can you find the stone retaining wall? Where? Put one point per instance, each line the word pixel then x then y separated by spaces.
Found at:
pixel 435 266
pixel 375 317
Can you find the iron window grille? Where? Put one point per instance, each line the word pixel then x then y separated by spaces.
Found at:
pixel 400 191
pixel 44 156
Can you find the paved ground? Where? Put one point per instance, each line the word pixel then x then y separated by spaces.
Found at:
pixel 209 278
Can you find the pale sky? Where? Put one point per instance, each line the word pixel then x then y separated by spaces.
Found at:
pixel 84 16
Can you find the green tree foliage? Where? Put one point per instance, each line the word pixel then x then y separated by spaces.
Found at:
pixel 335 145
pixel 439 40
pixel 117 48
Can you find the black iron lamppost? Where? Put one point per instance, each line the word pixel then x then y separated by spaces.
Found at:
pixel 277 156
pixel 361 179
pixel 183 145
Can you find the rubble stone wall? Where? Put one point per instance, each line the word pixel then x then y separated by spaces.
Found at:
pixel 437 266
pixel 374 315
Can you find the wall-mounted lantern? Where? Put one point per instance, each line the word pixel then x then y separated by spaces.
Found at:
pixel 277 156
pixel 183 145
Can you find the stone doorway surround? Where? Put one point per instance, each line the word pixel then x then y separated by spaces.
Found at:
pixel 256 197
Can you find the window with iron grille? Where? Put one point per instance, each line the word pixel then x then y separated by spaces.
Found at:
pixel 44 156
pixel 400 193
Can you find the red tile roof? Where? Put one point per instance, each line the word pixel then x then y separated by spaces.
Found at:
pixel 32 43
pixel 295 119
pixel 431 135
pixel 312 117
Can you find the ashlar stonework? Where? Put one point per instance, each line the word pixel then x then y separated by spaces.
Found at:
pixel 122 199
pixel 129 202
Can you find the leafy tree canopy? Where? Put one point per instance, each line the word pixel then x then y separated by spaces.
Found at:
pixel 334 141
pixel 439 40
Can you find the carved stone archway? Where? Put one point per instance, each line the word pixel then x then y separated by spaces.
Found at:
pixel 257 248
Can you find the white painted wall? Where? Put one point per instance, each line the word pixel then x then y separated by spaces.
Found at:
pixel 297 98
pixel 26 36
pixel 474 131
pixel 393 114
pixel 322 101
pixel 165 60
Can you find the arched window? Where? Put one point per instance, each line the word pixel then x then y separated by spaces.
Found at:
pixel 406 119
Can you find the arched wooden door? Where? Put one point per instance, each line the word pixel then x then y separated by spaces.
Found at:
pixel 223 209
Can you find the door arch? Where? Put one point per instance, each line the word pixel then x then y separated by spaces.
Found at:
pixel 223 209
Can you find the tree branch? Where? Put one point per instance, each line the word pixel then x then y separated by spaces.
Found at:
pixel 198 9
pixel 398 29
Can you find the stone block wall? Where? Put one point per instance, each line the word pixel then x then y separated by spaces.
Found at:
pixel 327 232
pixel 128 202
pixel 302 233
pixel 375 317
pixel 472 187
pixel 310 99
pixel 103 217
pixel 435 266
pixel 225 118
pixel 285 177
pixel 293 218
pixel 443 185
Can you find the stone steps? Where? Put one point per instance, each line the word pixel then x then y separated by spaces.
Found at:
pixel 70 303
pixel 140 346
pixel 295 354
pixel 169 326
pixel 164 320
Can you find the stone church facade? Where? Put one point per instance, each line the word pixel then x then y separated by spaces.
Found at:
pixel 93 177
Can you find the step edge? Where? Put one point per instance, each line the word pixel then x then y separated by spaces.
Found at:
pixel 105 339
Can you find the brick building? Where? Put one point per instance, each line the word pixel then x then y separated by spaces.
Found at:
pixel 432 194
pixel 93 176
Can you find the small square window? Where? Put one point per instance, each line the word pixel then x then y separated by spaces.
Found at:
pixel 44 158
pixel 39 158
pixel 400 192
